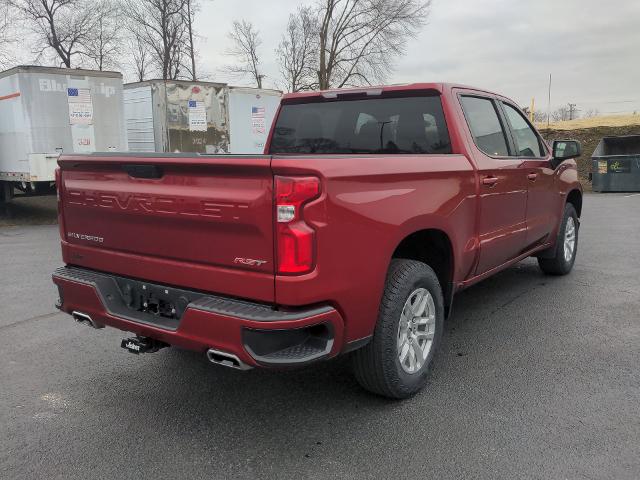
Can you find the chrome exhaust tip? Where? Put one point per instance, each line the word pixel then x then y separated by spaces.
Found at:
pixel 226 360
pixel 85 319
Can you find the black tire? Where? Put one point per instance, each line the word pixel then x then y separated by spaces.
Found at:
pixel 377 366
pixel 6 192
pixel 559 264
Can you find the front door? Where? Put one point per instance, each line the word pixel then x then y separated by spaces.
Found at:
pixel 542 199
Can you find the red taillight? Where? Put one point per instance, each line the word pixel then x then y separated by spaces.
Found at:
pixel 295 239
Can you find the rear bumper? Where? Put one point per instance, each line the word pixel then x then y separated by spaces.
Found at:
pixel 257 334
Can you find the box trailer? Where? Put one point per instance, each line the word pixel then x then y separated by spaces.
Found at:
pixel 176 116
pixel 251 112
pixel 46 111
pixel 198 117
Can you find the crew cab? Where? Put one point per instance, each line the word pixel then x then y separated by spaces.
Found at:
pixel 368 211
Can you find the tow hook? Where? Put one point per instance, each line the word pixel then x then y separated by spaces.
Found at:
pixel 139 345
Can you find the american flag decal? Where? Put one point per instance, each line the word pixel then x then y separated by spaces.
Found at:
pixel 79 95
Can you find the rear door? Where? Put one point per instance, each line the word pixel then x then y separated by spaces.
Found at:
pixel 201 222
pixel 542 198
pixel 503 188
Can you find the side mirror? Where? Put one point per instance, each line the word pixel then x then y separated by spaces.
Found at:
pixel 564 150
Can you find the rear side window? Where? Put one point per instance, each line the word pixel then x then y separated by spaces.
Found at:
pixel 485 125
pixel 527 142
pixel 391 125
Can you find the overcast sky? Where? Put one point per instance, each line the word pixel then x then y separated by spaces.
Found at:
pixel 591 47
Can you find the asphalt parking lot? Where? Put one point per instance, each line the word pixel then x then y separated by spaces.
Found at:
pixel 538 377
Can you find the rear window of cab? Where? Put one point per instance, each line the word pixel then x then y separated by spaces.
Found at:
pixel 382 125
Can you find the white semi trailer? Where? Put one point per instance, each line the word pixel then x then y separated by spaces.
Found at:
pixel 46 111
pixel 251 113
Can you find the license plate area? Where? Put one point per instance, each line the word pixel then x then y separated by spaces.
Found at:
pixel 155 300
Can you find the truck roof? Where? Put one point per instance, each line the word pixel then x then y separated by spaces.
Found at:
pixel 60 71
pixel 439 87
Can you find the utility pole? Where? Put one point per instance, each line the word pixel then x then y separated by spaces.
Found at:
pixel 549 103
pixel 572 110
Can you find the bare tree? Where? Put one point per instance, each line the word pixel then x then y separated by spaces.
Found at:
pixel 7 39
pixel 297 53
pixel 560 114
pixel 568 112
pixel 539 116
pixel 161 29
pixel 60 25
pixel 245 44
pixel 103 45
pixel 359 39
pixel 177 61
pixel 138 55
pixel 192 7
pixel 592 112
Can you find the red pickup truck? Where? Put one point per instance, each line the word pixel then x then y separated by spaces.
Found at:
pixel 368 211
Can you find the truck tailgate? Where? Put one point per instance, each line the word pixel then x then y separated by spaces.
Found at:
pixel 197 221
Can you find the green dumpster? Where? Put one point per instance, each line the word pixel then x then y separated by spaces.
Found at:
pixel 615 164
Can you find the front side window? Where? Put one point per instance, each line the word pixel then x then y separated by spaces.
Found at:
pixel 383 125
pixel 485 125
pixel 527 142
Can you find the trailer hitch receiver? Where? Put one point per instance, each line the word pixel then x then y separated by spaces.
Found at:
pixel 139 345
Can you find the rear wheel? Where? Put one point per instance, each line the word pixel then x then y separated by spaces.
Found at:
pixel 396 362
pixel 6 191
pixel 566 245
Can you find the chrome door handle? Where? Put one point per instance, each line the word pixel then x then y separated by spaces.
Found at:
pixel 532 176
pixel 490 181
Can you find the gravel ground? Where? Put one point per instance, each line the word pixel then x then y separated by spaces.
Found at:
pixel 538 377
